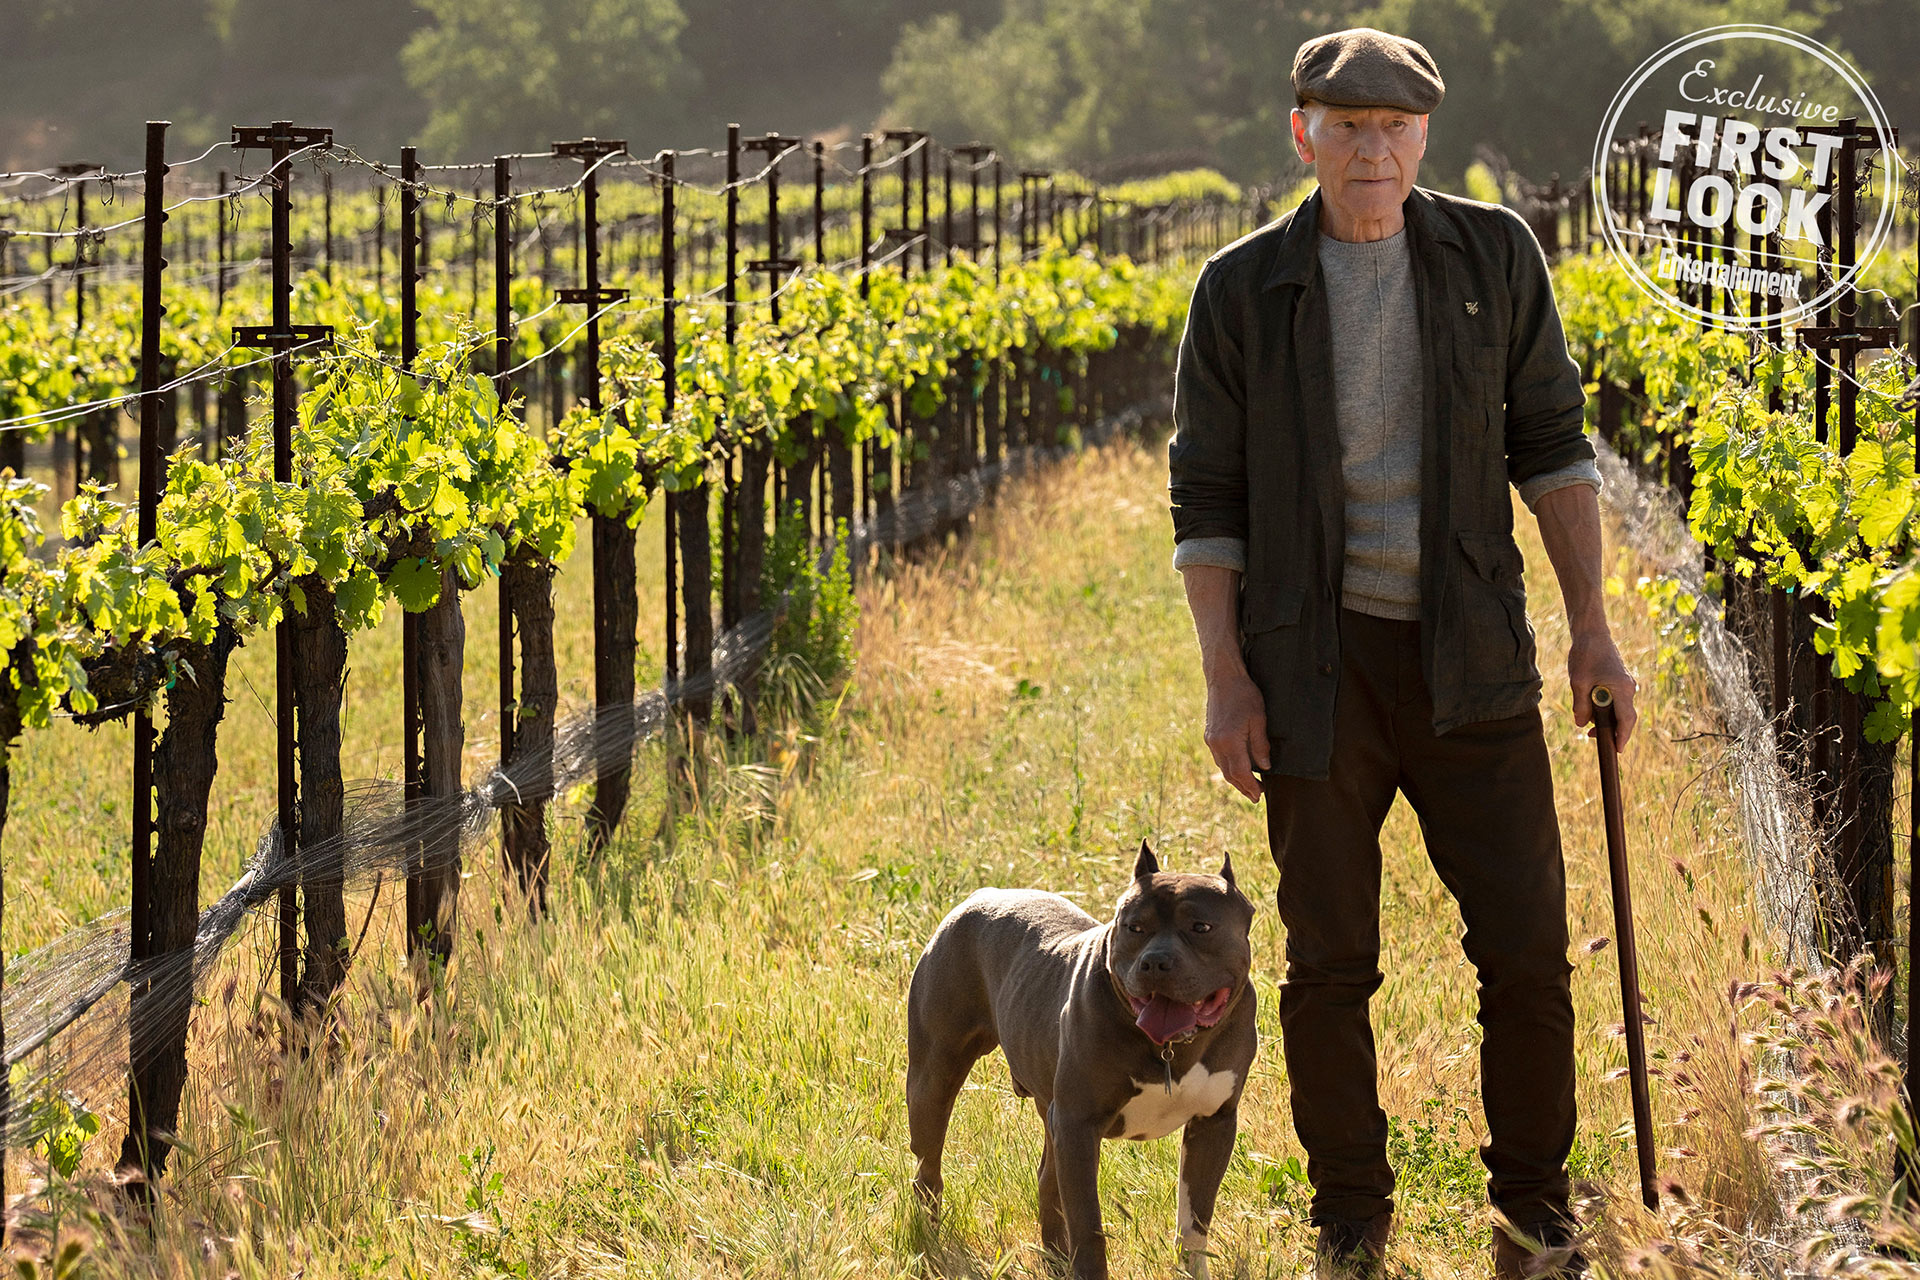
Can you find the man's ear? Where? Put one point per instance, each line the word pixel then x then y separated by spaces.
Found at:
pixel 1226 872
pixel 1301 145
pixel 1146 864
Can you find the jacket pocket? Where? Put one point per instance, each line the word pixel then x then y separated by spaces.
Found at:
pixel 1495 556
pixel 1266 605
pixel 1272 643
pixel 1500 642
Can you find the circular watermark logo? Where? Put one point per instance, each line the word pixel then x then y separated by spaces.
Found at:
pixel 1720 176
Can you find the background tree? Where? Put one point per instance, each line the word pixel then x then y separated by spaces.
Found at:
pixel 496 74
pixel 1531 80
pixel 806 64
pixel 1110 86
pixel 1084 82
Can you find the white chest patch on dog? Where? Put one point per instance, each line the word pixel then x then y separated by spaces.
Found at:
pixel 1155 1113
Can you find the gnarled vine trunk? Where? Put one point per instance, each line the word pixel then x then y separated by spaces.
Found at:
pixel 433 882
pixel 529 582
pixel 696 596
pixel 616 623
pixel 184 762
pixel 751 527
pixel 799 476
pixel 840 459
pixel 319 680
pixel 750 563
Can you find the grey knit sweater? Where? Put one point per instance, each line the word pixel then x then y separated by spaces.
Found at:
pixel 1378 408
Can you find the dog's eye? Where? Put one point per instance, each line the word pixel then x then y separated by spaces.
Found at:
pixel 1136 927
pixel 1202 926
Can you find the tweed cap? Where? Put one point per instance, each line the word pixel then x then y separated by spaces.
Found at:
pixel 1362 67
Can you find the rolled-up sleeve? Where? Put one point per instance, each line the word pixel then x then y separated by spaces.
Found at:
pixel 1545 401
pixel 1221 553
pixel 1207 475
pixel 1538 487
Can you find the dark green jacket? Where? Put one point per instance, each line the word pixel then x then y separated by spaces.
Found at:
pixel 1256 456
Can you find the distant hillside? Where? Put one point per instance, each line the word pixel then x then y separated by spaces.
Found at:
pixel 1095 84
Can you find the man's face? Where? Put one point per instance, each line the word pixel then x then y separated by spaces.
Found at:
pixel 1366 158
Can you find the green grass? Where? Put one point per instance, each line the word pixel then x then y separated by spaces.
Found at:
pixel 695 1065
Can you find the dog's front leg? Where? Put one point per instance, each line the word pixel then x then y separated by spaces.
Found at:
pixel 1053 1225
pixel 1206 1145
pixel 1076 1171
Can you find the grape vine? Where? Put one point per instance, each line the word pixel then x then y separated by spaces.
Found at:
pixel 1770 497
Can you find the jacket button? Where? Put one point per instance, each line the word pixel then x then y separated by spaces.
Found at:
pixel 1326 668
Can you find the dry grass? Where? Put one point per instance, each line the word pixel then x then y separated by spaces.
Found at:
pixel 695 1065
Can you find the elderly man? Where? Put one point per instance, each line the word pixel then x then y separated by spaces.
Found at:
pixel 1359 383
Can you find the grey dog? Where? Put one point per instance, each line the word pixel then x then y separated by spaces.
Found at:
pixel 1128 1029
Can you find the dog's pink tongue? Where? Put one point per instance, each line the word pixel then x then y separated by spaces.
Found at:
pixel 1163 1019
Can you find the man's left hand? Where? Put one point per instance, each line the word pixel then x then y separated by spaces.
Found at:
pixel 1594 660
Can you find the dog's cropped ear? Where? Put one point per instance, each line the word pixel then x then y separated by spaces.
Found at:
pixel 1146 864
pixel 1226 872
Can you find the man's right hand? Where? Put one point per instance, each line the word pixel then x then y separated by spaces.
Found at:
pixel 1236 713
pixel 1237 729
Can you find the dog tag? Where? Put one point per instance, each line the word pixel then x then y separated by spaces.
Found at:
pixel 1166 1059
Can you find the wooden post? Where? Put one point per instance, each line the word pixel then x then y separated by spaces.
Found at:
pixel 670 365
pixel 140 922
pixel 412 776
pixel 526 605
pixel 730 298
pixel 616 598
pixel 867 447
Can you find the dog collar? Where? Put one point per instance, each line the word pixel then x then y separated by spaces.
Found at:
pixel 1166 1050
pixel 1166 1055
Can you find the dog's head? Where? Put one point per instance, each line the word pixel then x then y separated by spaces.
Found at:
pixel 1180 953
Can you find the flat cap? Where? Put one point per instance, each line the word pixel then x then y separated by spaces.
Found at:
pixel 1362 67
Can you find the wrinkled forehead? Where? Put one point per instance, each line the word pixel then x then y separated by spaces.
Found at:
pixel 1327 113
pixel 1171 890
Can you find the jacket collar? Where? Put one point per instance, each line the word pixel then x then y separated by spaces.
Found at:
pixel 1299 249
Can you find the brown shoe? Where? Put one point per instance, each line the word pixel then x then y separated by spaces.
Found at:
pixel 1353 1250
pixel 1542 1251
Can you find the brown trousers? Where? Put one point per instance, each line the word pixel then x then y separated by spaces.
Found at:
pixel 1484 796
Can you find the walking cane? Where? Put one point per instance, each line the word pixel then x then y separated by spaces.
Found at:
pixel 1605 721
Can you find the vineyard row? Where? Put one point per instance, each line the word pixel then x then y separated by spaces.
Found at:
pixel 406 473
pixel 1791 451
